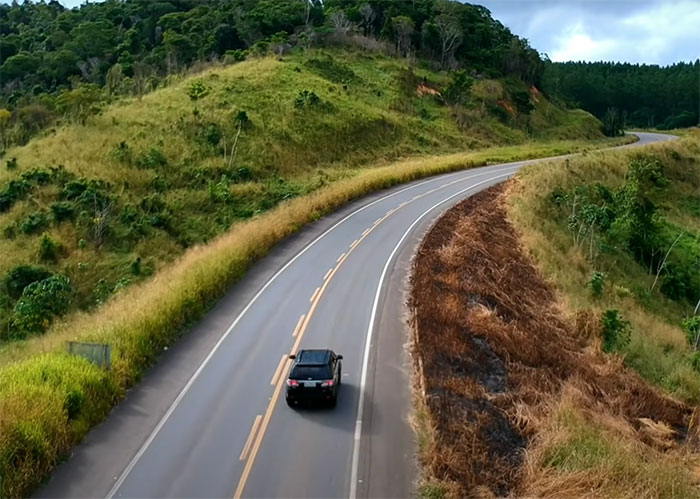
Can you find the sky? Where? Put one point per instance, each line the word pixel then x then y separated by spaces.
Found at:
pixel 638 31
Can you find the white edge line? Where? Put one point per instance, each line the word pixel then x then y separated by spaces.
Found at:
pixel 370 329
pixel 206 360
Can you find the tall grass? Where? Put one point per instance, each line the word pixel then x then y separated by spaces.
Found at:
pixel 658 349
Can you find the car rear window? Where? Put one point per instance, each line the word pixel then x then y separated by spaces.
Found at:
pixel 310 372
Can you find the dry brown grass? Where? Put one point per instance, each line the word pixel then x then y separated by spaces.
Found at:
pixel 520 400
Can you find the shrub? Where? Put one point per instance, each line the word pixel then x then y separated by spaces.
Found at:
pixel 63 210
pixel 457 92
pixel 34 222
pixel 597 283
pixel 307 99
pixel 691 327
pixel 616 331
pixel 153 158
pixel 212 134
pixel 11 163
pixel 40 302
pixel 197 91
pixel 331 70
pixel 14 190
pixel 22 276
pixel 231 56
pixel 122 153
pixel 49 249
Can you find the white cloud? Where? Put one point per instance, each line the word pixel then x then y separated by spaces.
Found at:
pixel 645 31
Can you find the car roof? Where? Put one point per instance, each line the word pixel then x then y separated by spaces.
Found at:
pixel 313 357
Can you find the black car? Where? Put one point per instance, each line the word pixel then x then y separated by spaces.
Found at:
pixel 314 376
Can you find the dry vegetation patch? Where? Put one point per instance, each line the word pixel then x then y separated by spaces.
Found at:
pixel 520 400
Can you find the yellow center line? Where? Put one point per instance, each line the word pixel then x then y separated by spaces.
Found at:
pixel 296 329
pixel 328 273
pixel 246 448
pixel 299 333
pixel 366 231
pixel 313 296
pixel 377 221
pixel 279 369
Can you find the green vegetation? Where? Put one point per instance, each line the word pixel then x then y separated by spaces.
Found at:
pixel 128 167
pixel 624 95
pixel 149 178
pixel 66 65
pixel 633 217
pixel 579 454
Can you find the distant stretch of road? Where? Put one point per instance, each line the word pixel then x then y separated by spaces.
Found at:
pixel 210 419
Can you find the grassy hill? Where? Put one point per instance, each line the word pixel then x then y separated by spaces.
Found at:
pixel 108 202
pixel 631 278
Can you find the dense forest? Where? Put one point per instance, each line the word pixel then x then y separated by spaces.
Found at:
pixel 60 63
pixel 639 95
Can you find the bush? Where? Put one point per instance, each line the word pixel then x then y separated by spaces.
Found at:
pixel 307 99
pixel 14 190
pixel 62 210
pixel 40 302
pixel 457 92
pixel 231 56
pixel 22 276
pixel 153 158
pixel 122 153
pixel 49 249
pixel 34 222
pixel 691 327
pixel 616 331
pixel 597 283
pixel 11 163
pixel 331 70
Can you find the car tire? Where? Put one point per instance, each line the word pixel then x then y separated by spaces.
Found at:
pixel 291 403
pixel 332 403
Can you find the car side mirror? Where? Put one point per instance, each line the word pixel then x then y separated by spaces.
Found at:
pixel 340 357
pixel 292 356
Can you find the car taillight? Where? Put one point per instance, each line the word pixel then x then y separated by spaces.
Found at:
pixel 327 383
pixel 292 382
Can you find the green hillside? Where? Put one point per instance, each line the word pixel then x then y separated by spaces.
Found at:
pixel 108 202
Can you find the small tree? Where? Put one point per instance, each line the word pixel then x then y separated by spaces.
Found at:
pixel 450 33
pixel 368 16
pixel 5 116
pixel 196 92
pixel 114 78
pixel 616 331
pixel 40 302
pixel 403 28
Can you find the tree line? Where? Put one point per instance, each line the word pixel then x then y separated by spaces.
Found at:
pixel 60 63
pixel 663 97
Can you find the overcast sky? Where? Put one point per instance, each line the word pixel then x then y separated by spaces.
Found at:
pixel 643 31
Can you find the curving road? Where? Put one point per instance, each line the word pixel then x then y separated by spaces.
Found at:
pixel 210 419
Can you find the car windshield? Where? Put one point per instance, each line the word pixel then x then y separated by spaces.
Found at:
pixel 310 372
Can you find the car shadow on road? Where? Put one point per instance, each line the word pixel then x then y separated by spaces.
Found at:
pixel 342 416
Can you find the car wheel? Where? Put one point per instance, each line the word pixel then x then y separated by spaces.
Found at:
pixel 333 401
pixel 291 403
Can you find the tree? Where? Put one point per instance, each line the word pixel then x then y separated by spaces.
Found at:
pixel 5 116
pixel 114 78
pixel 40 302
pixel 142 73
pixel 450 33
pixel 403 29
pixel 368 16
pixel 340 22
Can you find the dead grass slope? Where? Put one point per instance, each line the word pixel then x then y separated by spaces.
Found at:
pixel 521 401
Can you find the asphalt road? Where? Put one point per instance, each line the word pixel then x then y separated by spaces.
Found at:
pixel 210 419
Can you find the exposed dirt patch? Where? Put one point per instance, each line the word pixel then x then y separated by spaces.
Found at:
pixel 494 351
